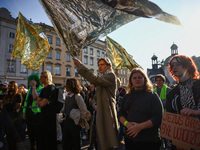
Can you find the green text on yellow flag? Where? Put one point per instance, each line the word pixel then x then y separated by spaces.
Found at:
pixel 31 45
pixel 118 55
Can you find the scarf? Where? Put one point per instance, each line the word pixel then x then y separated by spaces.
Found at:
pixel 187 98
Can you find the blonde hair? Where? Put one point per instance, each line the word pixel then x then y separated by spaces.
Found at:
pixel 147 83
pixel 48 75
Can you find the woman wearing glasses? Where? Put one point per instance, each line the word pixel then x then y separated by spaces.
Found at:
pixel 47 101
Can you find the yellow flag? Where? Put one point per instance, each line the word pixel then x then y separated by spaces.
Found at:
pixel 31 44
pixel 118 55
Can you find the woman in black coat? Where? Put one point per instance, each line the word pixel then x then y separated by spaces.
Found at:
pixel 141 113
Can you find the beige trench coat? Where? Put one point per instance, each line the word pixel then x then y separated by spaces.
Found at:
pixel 106 119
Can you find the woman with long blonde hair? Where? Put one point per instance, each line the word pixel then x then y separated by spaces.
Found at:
pixel 141 113
pixel 147 83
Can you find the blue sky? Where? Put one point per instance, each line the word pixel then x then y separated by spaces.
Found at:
pixel 143 37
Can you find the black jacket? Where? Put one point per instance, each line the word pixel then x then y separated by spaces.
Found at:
pixel 173 103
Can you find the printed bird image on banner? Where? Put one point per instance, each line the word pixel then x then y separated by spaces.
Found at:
pixel 31 44
pixel 118 55
pixel 80 23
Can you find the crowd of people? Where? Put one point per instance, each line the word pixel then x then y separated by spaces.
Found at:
pixel 105 113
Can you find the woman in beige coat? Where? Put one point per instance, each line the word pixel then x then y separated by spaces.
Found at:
pixel 106 119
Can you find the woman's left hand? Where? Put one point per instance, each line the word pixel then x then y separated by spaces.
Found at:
pixel 134 129
pixel 187 112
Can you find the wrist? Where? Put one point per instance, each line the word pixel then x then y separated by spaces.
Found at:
pixel 79 65
pixel 125 123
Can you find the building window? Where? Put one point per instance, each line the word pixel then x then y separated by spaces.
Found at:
pixel 76 57
pixel 57 41
pixel 98 53
pixel 57 70
pixel 58 55
pixel 12 35
pixel 23 68
pixel 85 50
pixel 103 55
pixel 68 72
pixel 10 49
pixel 91 51
pixel 50 40
pixel 76 73
pixel 91 61
pixel 49 69
pixel 12 66
pixel 124 71
pixel 49 55
pixel 68 58
pixel 85 60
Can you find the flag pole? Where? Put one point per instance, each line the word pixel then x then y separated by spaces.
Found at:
pixel 8 69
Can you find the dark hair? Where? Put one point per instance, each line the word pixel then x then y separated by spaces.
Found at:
pixel 74 85
pixel 187 63
pixel 15 86
pixel 161 77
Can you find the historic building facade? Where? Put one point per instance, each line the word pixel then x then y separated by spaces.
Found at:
pixel 59 62
pixel 17 72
